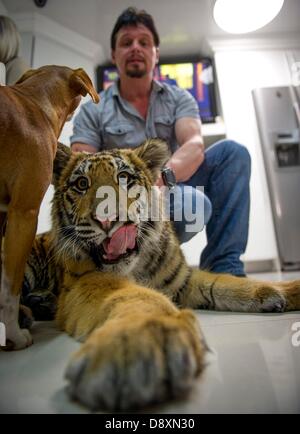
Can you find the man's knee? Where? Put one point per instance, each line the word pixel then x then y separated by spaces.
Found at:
pixel 207 209
pixel 238 152
pixel 193 208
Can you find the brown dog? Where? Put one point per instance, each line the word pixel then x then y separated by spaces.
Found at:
pixel 32 114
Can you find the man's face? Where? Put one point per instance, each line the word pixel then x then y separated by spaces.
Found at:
pixel 135 54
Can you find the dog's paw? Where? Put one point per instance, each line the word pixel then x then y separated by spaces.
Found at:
pixel 130 366
pixel 17 339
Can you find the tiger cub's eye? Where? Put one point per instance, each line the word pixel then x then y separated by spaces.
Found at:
pixel 123 178
pixel 82 183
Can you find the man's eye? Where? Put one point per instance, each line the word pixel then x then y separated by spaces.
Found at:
pixel 81 183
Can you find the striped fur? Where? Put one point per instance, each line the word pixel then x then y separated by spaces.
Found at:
pixel 139 347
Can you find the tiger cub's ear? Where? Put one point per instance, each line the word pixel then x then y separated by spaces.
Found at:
pixel 61 159
pixel 155 153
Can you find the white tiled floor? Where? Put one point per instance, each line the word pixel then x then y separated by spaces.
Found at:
pixel 253 367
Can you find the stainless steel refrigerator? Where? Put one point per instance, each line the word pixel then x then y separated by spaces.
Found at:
pixel 278 119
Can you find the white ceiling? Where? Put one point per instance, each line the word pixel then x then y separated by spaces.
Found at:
pixel 183 25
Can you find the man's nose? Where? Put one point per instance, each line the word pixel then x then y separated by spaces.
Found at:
pixel 136 45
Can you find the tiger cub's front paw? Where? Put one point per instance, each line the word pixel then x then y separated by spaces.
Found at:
pixel 270 299
pixel 130 365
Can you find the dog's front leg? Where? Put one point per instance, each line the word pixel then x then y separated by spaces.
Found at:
pixel 19 236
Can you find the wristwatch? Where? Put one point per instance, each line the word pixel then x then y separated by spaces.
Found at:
pixel 168 177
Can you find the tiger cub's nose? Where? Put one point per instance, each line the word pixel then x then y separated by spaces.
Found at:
pixel 106 223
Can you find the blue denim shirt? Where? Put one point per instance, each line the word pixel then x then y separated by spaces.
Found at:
pixel 114 123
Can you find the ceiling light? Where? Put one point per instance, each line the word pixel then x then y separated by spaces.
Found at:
pixel 243 16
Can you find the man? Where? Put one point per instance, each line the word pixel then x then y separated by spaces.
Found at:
pixel 137 107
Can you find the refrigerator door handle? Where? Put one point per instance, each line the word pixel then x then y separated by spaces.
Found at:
pixel 297 112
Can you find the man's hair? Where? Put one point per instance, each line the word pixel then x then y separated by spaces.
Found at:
pixel 9 39
pixel 132 17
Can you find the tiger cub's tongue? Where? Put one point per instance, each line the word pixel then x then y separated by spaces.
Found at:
pixel 122 239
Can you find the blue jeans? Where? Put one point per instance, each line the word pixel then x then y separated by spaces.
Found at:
pixel 225 176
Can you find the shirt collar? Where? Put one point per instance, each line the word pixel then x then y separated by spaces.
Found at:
pixel 157 86
pixel 115 89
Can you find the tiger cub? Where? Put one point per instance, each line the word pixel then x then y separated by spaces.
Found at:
pixel 122 286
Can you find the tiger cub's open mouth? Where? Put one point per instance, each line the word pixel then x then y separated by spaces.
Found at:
pixel 121 244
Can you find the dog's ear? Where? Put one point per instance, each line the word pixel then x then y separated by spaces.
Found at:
pixel 82 84
pixel 155 153
pixel 63 154
pixel 26 75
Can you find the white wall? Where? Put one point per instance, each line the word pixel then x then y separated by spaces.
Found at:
pixel 3 10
